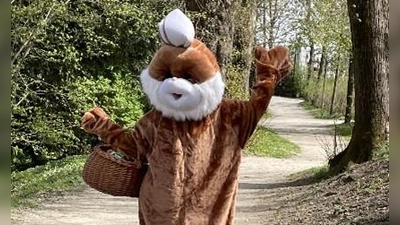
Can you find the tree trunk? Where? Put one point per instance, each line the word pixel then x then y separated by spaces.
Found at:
pixel 334 86
pixel 324 85
pixel 310 39
pixel 215 27
pixel 350 87
pixel 321 64
pixel 227 26
pixel 243 42
pixel 369 23
pixel 320 71
pixel 310 63
pixel 271 36
pixel 264 24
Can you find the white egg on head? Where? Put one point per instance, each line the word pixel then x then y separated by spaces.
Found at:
pixel 176 29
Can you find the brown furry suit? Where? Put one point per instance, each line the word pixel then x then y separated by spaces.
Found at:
pixel 193 164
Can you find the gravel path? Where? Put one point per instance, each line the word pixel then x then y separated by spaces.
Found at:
pixel 257 177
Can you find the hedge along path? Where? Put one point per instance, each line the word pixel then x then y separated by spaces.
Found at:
pixel 258 177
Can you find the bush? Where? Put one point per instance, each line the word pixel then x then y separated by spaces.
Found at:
pixel 67 56
pixel 121 98
pixel 292 86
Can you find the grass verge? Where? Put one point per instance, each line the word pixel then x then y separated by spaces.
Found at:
pixel 29 186
pixel 313 174
pixel 317 174
pixel 267 115
pixel 265 142
pixel 344 129
pixel 318 112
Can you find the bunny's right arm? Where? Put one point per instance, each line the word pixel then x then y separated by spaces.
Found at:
pixel 132 142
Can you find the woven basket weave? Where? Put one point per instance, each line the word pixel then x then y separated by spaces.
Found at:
pixel 113 176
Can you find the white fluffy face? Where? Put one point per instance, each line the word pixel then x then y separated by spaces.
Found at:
pixel 179 99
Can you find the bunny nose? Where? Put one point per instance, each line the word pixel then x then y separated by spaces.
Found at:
pixel 176 96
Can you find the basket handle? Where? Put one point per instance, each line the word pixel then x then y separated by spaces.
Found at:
pixel 103 147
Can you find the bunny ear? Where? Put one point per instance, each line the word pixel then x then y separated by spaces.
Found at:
pixel 280 59
pixel 176 29
pixel 274 61
pixel 278 56
pixel 260 53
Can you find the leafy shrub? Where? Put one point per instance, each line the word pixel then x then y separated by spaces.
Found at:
pixel 67 56
pixel 121 98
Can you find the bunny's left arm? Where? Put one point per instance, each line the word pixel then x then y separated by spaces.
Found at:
pixel 271 67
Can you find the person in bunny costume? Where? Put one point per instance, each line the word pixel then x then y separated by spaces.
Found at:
pixel 193 137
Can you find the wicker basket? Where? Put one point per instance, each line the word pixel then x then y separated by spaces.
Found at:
pixel 113 176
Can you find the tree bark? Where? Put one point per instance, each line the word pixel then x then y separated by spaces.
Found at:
pixel 227 26
pixel 350 87
pixel 310 63
pixel 271 36
pixel 215 28
pixel 264 24
pixel 320 71
pixel 324 84
pixel 321 64
pixel 310 39
pixel 243 41
pixel 369 23
pixel 334 86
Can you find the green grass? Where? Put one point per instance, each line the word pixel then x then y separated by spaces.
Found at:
pixel 265 142
pixel 315 173
pixel 28 186
pixel 318 112
pixel 267 115
pixel 344 129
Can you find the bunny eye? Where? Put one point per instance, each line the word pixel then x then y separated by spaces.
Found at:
pixel 189 78
pixel 168 75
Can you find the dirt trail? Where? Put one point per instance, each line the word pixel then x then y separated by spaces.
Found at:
pixel 257 177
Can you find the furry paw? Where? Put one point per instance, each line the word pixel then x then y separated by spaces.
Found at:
pixel 276 58
pixel 90 118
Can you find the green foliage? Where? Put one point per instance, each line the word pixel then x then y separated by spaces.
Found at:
pixel 67 56
pixel 265 142
pixel 293 85
pixel 318 112
pixel 317 96
pixel 122 98
pixel 321 97
pixel 234 82
pixel 324 23
pixel 63 175
pixel 344 129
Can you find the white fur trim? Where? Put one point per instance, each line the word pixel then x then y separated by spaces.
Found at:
pixel 197 101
